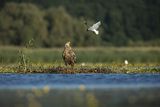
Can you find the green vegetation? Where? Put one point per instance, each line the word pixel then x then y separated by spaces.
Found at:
pixel 52 23
pixel 87 55
pixel 125 23
pixel 89 60
pixel 82 68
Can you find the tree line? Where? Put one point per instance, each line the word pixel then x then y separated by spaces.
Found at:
pixel 53 22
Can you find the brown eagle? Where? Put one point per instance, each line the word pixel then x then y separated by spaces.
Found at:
pixel 68 55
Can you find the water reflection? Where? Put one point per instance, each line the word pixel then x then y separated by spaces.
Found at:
pixel 145 97
pixel 79 90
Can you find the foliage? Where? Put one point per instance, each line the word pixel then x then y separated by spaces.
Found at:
pixel 54 22
pixel 24 61
pixel 20 23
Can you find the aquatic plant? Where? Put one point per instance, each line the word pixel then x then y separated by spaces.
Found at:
pixel 24 62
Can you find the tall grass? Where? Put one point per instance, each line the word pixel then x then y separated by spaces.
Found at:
pixel 87 55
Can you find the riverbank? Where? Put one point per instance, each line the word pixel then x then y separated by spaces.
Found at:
pixel 81 68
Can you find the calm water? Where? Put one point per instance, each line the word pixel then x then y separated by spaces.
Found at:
pixel 70 80
pixel 80 90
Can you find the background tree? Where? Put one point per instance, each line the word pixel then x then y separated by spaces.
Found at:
pixel 124 22
pixel 21 23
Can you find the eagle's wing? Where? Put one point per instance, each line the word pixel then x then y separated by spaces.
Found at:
pixel 95 26
pixel 72 54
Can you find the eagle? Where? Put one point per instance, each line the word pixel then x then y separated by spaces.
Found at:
pixel 68 55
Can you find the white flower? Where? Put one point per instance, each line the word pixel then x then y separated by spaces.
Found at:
pixel 83 64
pixel 126 62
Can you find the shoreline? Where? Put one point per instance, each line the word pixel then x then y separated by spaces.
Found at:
pixel 115 69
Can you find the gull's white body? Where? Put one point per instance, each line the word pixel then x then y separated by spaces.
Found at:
pixel 94 27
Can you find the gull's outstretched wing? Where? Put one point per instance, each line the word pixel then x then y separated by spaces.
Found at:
pixel 95 26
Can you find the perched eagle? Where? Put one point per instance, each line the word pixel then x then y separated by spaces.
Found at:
pixel 68 55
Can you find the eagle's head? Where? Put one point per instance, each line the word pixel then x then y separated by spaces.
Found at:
pixel 68 44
